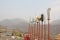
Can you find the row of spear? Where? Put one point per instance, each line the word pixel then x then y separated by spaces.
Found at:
pixel 37 30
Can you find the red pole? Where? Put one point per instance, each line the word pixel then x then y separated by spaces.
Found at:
pixel 48 13
pixel 34 30
pixel 48 30
pixel 29 29
pixel 39 31
pixel 44 31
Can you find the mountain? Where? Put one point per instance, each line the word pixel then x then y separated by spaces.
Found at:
pixel 55 27
pixel 23 25
pixel 15 24
pixel 55 22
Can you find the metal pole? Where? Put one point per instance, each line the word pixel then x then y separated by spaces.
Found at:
pixel 44 31
pixel 39 35
pixel 29 28
pixel 29 25
pixel 32 33
pixel 48 30
pixel 34 30
pixel 42 19
pixel 48 13
pixel 39 31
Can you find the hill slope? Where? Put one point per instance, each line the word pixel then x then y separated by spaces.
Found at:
pixel 15 24
pixel 55 27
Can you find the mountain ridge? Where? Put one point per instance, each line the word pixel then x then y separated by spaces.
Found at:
pixel 15 23
pixel 23 25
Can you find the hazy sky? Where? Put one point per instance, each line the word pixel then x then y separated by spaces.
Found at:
pixel 10 9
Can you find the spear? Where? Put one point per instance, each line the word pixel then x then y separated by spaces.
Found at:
pixel 42 19
pixel 48 14
pixel 39 36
